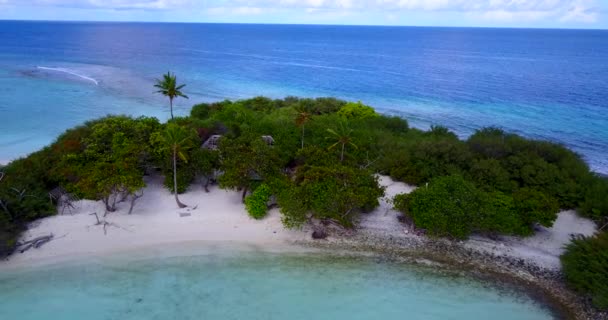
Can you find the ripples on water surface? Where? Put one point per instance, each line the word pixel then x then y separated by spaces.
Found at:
pixel 549 84
pixel 255 286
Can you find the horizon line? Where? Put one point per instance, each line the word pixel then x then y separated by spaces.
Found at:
pixel 299 24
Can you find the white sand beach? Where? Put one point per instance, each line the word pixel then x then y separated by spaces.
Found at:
pixel 544 247
pixel 220 217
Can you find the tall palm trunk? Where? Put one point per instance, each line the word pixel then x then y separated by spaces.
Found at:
pixel 302 136
pixel 244 195
pixel 342 154
pixel 171 105
pixel 179 204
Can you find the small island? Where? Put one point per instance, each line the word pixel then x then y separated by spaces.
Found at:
pixel 270 171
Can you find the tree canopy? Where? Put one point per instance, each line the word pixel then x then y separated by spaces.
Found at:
pixel 320 164
pixel 168 87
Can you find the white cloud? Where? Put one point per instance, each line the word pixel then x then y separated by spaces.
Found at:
pixel 107 4
pixel 583 11
pixel 514 16
pixel 235 10
pixel 578 12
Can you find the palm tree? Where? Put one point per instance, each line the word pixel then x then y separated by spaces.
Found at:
pixel 168 87
pixel 303 115
pixel 176 139
pixel 342 136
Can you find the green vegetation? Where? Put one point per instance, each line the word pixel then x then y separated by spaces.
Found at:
pixel 103 160
pixel 303 115
pixel 357 110
pixel 342 137
pixel 534 179
pixel 330 192
pixel 110 159
pixel 451 206
pixel 257 203
pixel 247 161
pixel 176 139
pixel 317 157
pixel 168 87
pixel 585 266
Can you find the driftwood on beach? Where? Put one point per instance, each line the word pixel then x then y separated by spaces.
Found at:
pixel 106 224
pixel 34 243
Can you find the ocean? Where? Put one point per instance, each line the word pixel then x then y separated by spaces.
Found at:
pixel 545 84
pixel 257 285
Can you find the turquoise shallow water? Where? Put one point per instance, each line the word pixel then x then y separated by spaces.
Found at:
pixel 255 286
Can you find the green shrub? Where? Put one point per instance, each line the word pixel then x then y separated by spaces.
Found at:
pixel 204 110
pixel 401 203
pixel 257 203
pixel 533 206
pixel 317 106
pixel 390 123
pixel 585 266
pixel 200 111
pixel 489 175
pixel 436 156
pixel 357 110
pixel 500 216
pixel 452 206
pixel 491 143
pixel 335 192
pixel 548 167
pixel 325 105
pixel 449 206
pixel 261 104
pixel 595 200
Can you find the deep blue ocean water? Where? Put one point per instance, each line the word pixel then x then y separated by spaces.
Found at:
pixel 547 84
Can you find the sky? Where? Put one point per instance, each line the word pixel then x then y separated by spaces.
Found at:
pixel 588 14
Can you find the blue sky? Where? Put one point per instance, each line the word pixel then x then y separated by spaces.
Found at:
pixel 484 13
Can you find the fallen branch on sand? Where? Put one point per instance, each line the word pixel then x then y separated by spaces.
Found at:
pixel 34 243
pixel 106 224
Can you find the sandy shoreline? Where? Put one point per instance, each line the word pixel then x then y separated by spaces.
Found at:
pixel 218 220
pixel 215 217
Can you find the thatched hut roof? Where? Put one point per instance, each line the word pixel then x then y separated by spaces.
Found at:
pixel 212 143
pixel 268 139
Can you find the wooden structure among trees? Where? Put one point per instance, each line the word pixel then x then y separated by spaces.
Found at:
pixel 269 140
pixel 212 143
pixel 63 199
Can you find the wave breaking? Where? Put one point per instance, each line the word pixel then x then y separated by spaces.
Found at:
pixel 70 72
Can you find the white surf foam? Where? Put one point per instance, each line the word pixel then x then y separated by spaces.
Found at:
pixel 71 72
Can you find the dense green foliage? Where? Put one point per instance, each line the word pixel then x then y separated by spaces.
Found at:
pixel 318 163
pixel 23 197
pixel 585 266
pixel 246 161
pixel 257 203
pixel 594 202
pixel 544 174
pixel 110 160
pixel 449 206
pixel 333 192
pixel 103 159
pixel 452 206
pixel 357 110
